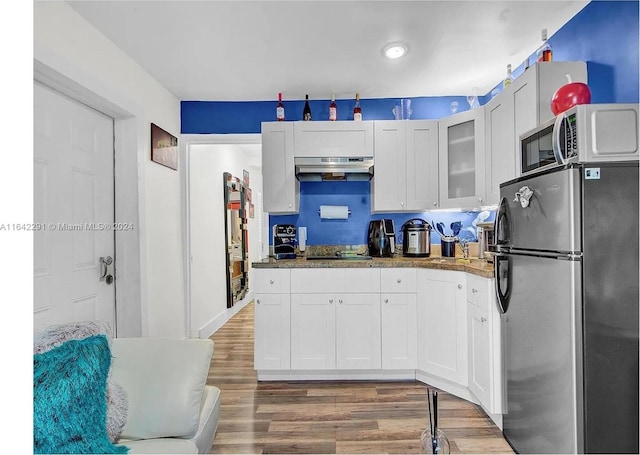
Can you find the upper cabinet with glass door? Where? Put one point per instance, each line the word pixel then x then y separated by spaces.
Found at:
pixel 461 159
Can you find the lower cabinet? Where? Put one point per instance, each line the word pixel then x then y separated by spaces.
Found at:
pixel 313 332
pixel 272 328
pixel 272 332
pixel 399 325
pixel 479 353
pixel 335 319
pixel 358 336
pixel 442 318
pixel 441 324
pixel 399 332
pixel 335 331
pixel 483 325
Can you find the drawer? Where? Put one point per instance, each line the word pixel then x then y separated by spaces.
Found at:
pixel 398 280
pixel 272 281
pixel 361 280
pixel 479 291
pixel 318 281
pixel 335 280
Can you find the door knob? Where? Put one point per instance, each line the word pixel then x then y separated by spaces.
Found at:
pixel 105 266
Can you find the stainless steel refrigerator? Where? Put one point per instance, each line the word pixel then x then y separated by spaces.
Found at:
pixel 567 284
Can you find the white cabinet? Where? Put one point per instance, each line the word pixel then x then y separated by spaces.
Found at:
pixel 313 332
pixel 272 320
pixel 335 319
pixel 358 331
pixel 440 326
pixel 461 159
pixel 483 324
pixel 388 190
pixel 406 166
pixel 522 106
pixel 442 318
pixel 500 164
pixel 336 139
pixel 281 189
pixel 399 325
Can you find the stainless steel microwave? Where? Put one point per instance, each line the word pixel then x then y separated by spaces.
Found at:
pixel 584 133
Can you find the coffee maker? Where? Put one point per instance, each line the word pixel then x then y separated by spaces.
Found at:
pixel 284 241
pixel 382 238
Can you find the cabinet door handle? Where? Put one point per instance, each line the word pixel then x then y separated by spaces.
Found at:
pixel 386 300
pixel 435 204
pixel 258 301
pixel 270 281
pixel 330 300
pixel 474 290
pixel 483 319
pixel 340 301
pixel 459 286
pixel 399 281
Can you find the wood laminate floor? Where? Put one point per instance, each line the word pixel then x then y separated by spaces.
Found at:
pixel 330 417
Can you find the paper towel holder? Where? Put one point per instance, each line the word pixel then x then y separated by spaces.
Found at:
pixel 348 212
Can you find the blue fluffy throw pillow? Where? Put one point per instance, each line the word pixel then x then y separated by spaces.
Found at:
pixel 70 399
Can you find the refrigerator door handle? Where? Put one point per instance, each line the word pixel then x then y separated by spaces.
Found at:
pixel 503 295
pixel 501 231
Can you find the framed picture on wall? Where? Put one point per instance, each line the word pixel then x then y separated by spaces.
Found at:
pixel 164 147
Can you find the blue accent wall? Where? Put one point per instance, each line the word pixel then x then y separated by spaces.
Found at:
pixel 353 231
pixel 242 117
pixel 604 34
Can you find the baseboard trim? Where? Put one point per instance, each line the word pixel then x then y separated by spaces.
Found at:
pixel 212 326
pixel 337 375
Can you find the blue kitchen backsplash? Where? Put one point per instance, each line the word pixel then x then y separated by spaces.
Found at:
pixel 353 231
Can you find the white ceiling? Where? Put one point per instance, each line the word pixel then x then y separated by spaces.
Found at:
pixel 251 50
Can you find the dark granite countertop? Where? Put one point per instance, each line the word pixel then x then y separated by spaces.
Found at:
pixel 474 266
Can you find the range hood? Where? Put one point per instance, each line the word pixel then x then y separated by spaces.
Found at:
pixel 333 168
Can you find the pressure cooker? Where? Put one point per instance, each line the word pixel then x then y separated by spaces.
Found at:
pixel 416 238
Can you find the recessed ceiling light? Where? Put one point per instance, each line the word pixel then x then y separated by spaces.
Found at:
pixel 394 50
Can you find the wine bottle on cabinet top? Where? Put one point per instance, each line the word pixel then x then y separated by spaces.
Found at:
pixel 509 79
pixel 544 52
pixel 357 110
pixel 306 112
pixel 333 109
pixel 280 109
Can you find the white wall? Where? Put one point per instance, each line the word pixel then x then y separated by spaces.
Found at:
pixel 151 292
pixel 207 244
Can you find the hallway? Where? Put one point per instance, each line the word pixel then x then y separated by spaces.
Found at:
pixel 330 417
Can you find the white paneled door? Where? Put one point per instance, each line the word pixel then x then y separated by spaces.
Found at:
pixel 73 212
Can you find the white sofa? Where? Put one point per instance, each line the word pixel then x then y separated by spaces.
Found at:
pixel 170 407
